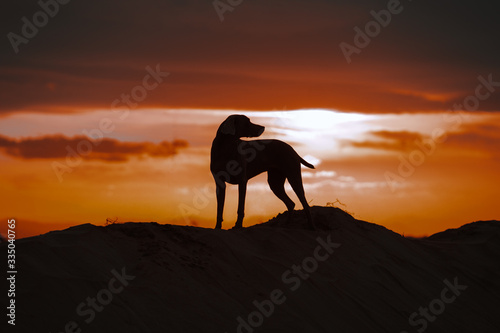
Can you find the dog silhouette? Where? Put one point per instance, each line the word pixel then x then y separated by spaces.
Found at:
pixel 235 161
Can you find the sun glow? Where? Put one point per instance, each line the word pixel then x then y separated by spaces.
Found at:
pixel 317 119
pixel 318 129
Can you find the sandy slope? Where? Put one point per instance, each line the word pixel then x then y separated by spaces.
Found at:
pixel 187 279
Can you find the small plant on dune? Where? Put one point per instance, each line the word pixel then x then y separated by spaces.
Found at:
pixel 332 204
pixel 110 221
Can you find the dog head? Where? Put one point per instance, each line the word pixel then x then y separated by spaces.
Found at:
pixel 240 126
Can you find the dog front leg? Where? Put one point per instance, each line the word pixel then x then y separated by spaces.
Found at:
pixel 220 192
pixel 242 191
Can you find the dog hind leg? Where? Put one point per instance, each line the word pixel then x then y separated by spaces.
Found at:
pixel 276 181
pixel 295 180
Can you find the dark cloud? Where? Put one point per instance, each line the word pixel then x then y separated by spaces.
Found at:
pixel 390 140
pixel 266 54
pixel 51 147
pixel 478 138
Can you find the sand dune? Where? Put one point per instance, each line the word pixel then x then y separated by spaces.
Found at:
pixel 347 276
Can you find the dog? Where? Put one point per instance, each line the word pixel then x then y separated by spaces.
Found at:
pixel 235 161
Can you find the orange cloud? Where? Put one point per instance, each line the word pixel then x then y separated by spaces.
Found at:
pixel 478 137
pixel 390 140
pixel 58 146
pixel 286 61
pixel 481 137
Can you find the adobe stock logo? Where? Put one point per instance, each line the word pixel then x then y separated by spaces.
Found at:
pixel 121 106
pixel 201 197
pixel 93 305
pixel 425 315
pixel 427 146
pixel 372 29
pixel 293 279
pixel 40 19
pixel 225 6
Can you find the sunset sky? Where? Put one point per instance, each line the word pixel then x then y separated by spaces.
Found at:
pixel 108 109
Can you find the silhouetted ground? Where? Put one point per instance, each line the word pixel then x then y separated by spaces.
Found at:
pixel 189 279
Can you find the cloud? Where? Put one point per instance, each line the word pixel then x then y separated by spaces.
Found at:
pixel 265 55
pixel 390 140
pixel 58 146
pixel 475 137
pixel 480 137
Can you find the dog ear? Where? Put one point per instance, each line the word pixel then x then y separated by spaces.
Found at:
pixel 228 126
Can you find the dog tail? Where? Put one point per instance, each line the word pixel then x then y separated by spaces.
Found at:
pixel 309 165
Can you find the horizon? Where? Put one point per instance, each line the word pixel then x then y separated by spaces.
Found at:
pixel 194 224
pixel 401 121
